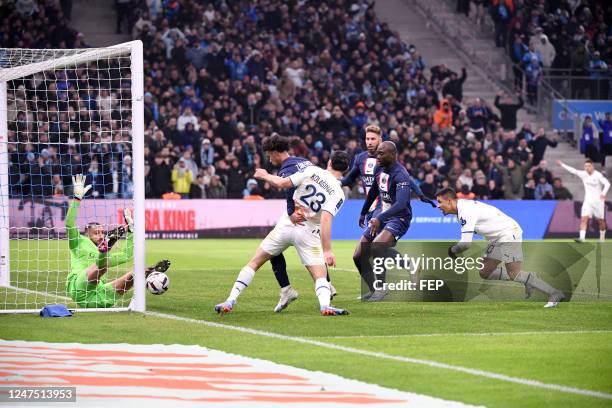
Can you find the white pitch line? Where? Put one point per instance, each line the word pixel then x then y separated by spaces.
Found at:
pixel 429 363
pixel 526 333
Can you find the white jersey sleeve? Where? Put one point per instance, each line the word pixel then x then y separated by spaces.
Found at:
pixel 605 183
pixel 467 218
pixel 580 173
pixel 298 178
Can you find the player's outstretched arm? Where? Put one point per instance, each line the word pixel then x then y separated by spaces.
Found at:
pixel 326 226
pixel 372 194
pixel 79 191
pixel 568 168
pixel 275 181
pixel 417 190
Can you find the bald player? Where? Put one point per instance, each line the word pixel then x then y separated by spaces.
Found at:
pixel 392 186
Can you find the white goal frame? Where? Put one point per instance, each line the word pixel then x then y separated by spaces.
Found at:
pixel 135 49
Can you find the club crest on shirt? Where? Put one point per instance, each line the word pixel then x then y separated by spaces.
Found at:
pixel 369 166
pixel 383 182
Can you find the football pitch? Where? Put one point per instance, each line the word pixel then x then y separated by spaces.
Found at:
pixel 498 354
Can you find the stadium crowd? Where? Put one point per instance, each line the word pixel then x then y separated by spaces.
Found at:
pixel 572 38
pixel 220 76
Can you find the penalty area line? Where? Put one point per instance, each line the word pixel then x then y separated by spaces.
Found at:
pixel 375 354
pixel 525 333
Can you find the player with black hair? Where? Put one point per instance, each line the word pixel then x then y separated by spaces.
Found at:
pixel 505 238
pixel 277 149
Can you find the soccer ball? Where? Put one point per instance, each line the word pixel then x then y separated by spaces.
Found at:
pixel 157 283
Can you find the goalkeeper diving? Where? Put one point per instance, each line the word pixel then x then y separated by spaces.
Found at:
pixel 91 257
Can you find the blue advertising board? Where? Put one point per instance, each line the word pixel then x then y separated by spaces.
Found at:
pixel 562 119
pixel 429 223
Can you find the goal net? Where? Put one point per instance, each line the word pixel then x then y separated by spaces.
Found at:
pixel 65 113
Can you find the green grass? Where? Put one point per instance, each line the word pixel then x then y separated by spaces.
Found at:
pixel 202 274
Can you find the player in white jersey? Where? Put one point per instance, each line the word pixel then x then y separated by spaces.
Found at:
pixel 319 197
pixel 596 187
pixel 505 238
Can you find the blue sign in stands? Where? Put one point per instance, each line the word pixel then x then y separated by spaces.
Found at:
pixel 562 119
pixel 429 223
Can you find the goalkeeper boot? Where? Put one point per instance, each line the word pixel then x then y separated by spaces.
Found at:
pixel 225 307
pixel 110 238
pixel 333 311
pixel 287 295
pixel 554 299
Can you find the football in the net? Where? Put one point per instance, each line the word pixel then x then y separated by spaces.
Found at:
pixel 157 283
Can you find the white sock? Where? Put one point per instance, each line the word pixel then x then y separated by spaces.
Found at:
pixel 498 273
pixel 602 235
pixel 322 291
pixel 582 235
pixel 244 279
pixel 530 278
pixel 285 289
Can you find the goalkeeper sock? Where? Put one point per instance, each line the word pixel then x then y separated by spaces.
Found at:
pixel 498 273
pixel 323 291
pixel 582 235
pixel 279 267
pixel 244 279
pixel 530 278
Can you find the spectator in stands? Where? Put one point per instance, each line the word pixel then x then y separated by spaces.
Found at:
pixel 513 177
pixel 529 190
pixel 543 190
pixel 501 12
pixel 198 189
pixel 465 193
pixel 127 178
pixel 559 191
pixel 428 186
pixel 480 188
pixel 216 189
pixel 453 85
pixel 444 115
pixel 508 110
pixel 181 178
pixel 588 145
pixel 496 192
pixel 546 51
pixel 161 175
pixel 606 138
pixel 533 74
pixel 478 116
pixel 539 144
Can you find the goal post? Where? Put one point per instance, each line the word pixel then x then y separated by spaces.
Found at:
pixel 62 113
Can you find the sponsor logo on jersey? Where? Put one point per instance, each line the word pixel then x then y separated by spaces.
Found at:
pixel 369 165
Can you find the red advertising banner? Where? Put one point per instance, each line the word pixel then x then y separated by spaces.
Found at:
pixel 163 218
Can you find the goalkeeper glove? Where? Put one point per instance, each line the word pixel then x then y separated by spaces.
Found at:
pixel 162 266
pixel 110 238
pixel 127 217
pixel 79 189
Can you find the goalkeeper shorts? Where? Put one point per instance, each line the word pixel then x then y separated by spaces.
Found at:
pixel 91 295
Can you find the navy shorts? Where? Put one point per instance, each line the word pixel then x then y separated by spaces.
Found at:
pixel 396 226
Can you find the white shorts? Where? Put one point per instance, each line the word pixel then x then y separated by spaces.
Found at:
pixel 507 249
pixel 305 238
pixel 593 209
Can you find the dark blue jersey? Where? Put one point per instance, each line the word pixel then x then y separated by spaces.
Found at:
pixel 364 167
pixel 290 166
pixel 393 188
